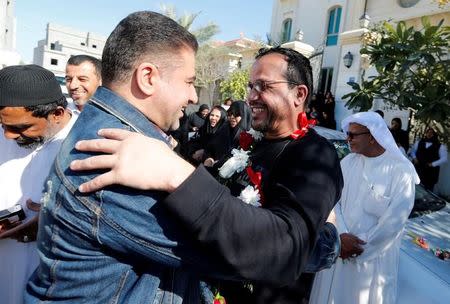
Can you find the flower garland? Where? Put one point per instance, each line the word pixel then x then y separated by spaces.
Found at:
pixel 443 254
pixel 240 160
pixel 218 299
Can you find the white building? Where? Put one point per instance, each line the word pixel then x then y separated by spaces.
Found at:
pixel 232 55
pixel 63 42
pixel 8 53
pixel 332 29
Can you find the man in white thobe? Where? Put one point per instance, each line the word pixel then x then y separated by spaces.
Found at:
pixel 35 122
pixel 377 198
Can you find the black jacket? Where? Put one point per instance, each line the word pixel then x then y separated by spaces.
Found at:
pixel 270 244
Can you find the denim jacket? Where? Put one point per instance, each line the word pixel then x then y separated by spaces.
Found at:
pixel 116 245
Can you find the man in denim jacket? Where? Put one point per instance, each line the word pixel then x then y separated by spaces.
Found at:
pixel 117 245
pixel 140 250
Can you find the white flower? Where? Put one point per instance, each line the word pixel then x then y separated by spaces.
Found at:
pixel 256 134
pixel 237 163
pixel 250 195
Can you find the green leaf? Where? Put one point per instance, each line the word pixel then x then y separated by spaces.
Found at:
pixel 354 85
pixel 425 21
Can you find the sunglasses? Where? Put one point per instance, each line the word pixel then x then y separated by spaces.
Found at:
pixel 351 135
pixel 261 85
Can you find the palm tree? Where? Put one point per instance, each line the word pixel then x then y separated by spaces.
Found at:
pixel 203 33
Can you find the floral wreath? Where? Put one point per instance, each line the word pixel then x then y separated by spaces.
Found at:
pixel 443 254
pixel 252 194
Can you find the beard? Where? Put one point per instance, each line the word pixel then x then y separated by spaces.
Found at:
pixel 269 124
pixel 261 127
pixel 30 143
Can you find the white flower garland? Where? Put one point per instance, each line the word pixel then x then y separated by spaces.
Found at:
pixel 257 136
pixel 237 163
pixel 250 195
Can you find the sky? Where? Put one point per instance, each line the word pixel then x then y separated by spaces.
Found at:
pixel 101 16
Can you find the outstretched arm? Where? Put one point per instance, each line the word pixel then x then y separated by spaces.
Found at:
pixel 127 155
pixel 270 244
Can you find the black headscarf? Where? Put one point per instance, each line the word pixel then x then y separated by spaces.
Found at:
pixel 206 130
pixel 241 109
pixel 196 119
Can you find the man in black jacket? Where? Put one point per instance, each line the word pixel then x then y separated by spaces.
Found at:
pixel 428 155
pixel 298 171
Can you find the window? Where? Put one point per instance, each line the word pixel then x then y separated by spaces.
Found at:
pixel 286 34
pixel 334 19
pixel 94 46
pixel 326 77
pixel 53 61
pixel 52 46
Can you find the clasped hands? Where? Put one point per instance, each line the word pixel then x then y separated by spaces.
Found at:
pixel 351 246
pixel 22 232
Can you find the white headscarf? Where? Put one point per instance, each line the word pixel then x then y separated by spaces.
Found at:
pixel 379 130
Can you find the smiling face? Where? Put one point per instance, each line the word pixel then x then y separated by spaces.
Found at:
pixel 214 117
pixel 274 110
pixel 28 131
pixel 175 91
pixel 82 81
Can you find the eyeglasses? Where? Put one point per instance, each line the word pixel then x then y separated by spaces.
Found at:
pixel 261 85
pixel 351 135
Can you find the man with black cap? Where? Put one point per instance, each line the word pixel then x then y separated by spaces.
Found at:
pixel 35 121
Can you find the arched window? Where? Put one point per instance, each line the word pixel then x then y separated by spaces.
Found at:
pixel 287 26
pixel 334 20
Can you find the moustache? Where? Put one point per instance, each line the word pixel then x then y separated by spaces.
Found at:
pixel 29 142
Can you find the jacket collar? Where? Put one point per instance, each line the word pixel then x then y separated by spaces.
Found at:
pixel 115 105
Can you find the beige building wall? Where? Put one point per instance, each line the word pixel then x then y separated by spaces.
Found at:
pixel 8 53
pixel 61 43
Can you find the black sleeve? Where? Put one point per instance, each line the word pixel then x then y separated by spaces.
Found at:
pixel 269 244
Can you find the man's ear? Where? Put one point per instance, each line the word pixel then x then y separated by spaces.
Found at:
pixel 147 75
pixel 302 94
pixel 58 114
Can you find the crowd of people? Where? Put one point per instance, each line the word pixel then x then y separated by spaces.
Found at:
pixel 127 199
pixel 321 108
pixel 427 154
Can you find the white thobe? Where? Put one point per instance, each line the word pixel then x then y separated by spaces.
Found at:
pixel 22 176
pixel 377 198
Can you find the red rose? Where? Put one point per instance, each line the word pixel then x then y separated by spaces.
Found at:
pixel 218 299
pixel 245 140
pixel 255 179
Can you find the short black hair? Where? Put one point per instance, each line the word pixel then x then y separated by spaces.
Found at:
pixel 79 59
pixel 397 120
pixel 381 113
pixel 299 68
pixel 142 34
pixel 44 110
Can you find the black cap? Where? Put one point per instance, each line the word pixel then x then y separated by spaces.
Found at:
pixel 28 85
